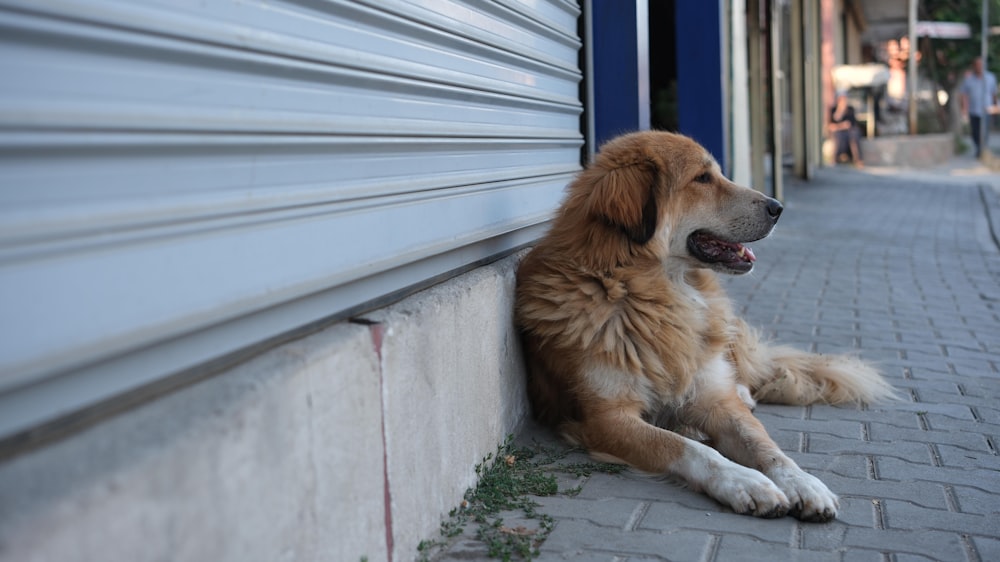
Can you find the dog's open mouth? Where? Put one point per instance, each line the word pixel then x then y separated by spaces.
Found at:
pixel 716 251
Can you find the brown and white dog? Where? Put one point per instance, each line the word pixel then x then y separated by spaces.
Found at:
pixel 632 344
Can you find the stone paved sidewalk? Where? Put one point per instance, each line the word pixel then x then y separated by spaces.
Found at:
pixel 904 273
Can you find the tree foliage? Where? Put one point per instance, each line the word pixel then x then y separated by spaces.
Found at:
pixel 946 60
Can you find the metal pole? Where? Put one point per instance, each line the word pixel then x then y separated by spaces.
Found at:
pixel 758 125
pixel 777 107
pixel 911 71
pixel 796 34
pixel 984 31
pixel 984 120
pixel 590 140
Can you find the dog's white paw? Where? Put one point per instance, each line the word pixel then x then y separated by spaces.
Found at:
pixel 747 491
pixel 743 489
pixel 809 498
pixel 745 396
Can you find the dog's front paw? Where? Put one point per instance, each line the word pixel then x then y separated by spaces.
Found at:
pixel 745 396
pixel 747 492
pixel 809 498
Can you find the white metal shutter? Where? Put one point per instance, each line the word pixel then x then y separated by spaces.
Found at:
pixel 180 179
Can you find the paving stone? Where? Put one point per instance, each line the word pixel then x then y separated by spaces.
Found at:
pixel 851 466
pixel 907 450
pixel 961 457
pixel 666 517
pixel 908 515
pixel 935 545
pixel 854 511
pixel 606 512
pixel 980 365
pixel 984 389
pixel 634 486
pixel 465 548
pixel 828 537
pixel 988 413
pixel 974 499
pixel 573 535
pixel 949 393
pixel 908 557
pixel 887 433
pixel 839 428
pixel 584 556
pixel 894 469
pixel 880 414
pixel 864 555
pixel 937 410
pixel 788 441
pixel 988 548
pixel 925 494
pixel 739 548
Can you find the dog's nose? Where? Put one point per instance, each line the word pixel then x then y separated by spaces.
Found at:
pixel 774 208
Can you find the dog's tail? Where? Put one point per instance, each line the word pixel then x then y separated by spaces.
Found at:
pixel 784 375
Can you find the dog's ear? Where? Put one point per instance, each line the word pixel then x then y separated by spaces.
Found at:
pixel 624 197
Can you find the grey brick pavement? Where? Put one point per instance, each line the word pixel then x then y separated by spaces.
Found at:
pixel 907 275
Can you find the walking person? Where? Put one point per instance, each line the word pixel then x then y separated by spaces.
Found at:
pixel 978 95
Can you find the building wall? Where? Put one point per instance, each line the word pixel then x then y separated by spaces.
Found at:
pixel 854 42
pixel 352 442
pixel 701 91
pixel 739 88
pixel 617 35
pixel 206 208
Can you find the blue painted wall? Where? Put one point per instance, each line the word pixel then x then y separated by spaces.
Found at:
pixel 621 94
pixel 621 70
pixel 700 103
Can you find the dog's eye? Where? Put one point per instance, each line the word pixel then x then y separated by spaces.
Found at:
pixel 704 178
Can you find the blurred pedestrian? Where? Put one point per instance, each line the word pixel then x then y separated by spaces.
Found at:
pixel 978 95
pixel 844 129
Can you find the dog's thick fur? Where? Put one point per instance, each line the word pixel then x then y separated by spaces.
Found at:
pixel 631 342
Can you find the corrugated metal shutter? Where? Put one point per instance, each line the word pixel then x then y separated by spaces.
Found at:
pixel 180 179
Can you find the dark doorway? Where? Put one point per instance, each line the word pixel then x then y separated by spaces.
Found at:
pixel 662 65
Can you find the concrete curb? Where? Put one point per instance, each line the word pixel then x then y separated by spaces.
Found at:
pixel 991 202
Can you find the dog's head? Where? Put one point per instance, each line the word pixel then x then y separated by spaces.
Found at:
pixel 664 194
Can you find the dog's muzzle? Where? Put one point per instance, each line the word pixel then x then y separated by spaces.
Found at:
pixel 727 254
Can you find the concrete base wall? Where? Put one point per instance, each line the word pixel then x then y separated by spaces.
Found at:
pixel 919 151
pixel 350 443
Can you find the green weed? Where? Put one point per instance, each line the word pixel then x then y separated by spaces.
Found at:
pixel 508 481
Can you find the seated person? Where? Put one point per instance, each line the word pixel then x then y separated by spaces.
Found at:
pixel 843 127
